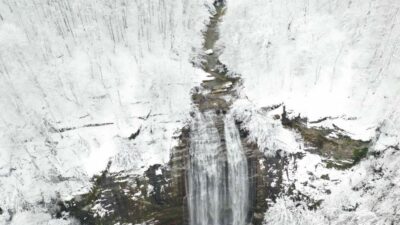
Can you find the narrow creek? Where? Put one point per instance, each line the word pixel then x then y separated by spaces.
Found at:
pixel 218 173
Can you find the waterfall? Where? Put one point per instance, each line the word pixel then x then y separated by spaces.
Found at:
pixel 206 185
pixel 217 173
pixel 238 183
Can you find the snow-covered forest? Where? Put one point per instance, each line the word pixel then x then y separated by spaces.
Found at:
pixel 70 64
pixel 335 59
pixel 290 107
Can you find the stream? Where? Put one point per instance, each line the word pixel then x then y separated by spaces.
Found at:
pixel 218 173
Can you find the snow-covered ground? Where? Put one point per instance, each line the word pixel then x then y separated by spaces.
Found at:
pixel 321 58
pixel 336 59
pixel 123 65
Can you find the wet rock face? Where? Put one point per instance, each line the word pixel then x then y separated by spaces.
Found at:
pixel 156 197
pixel 339 150
pixel 270 179
pixel 271 174
pixel 259 183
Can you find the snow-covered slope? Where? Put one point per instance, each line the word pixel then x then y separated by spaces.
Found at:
pixel 322 58
pixel 334 59
pixel 77 78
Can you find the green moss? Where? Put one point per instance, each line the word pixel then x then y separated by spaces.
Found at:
pixel 340 151
pixel 338 165
pixel 359 154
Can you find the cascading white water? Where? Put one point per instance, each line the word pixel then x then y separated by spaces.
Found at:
pixel 217 176
pixel 238 182
pixel 206 176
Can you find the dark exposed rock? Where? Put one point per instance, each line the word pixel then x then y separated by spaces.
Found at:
pixel 339 150
pixel 350 208
pixel 272 107
pixel 259 183
pixel 134 135
pixel 156 196
pixel 325 176
pixel 277 117
pixel 64 129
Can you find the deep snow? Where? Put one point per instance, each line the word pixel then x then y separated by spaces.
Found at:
pixel 66 64
pixel 335 59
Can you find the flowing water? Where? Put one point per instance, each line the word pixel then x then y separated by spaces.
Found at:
pixel 218 173
pixel 208 193
pixel 218 178
pixel 238 184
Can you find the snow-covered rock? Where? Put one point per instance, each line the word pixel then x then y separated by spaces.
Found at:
pixel 209 51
